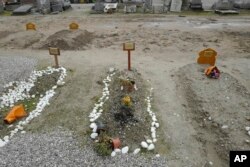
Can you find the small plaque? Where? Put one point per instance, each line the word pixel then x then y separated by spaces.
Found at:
pixel 129 46
pixel 73 26
pixel 209 53
pixel 30 26
pixel 207 56
pixel 54 51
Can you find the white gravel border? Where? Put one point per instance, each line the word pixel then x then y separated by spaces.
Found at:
pixel 21 92
pixel 97 112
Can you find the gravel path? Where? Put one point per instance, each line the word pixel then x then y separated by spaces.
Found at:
pixel 15 68
pixel 59 148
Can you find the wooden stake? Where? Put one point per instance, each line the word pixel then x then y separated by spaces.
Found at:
pixel 129 61
pixel 56 61
pixel 55 52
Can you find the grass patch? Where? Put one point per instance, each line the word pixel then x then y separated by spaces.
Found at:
pixel 29 105
pixel 6 13
pixel 103 147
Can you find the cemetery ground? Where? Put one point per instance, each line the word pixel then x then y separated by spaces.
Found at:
pixel 201 119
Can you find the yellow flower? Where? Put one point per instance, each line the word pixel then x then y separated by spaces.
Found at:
pixel 126 100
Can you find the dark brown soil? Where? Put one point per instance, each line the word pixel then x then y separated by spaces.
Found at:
pixel 44 83
pixel 130 129
pixel 69 40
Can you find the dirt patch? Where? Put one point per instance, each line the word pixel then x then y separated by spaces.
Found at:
pixel 69 40
pixel 4 34
pixel 218 109
pixel 241 38
pixel 21 40
pixel 44 83
pixel 131 123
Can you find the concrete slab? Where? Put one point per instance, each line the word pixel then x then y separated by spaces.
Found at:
pixel 22 10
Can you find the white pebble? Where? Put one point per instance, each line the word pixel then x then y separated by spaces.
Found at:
pixel 144 144
pixel 149 141
pixel 2 143
pixel 6 138
pixel 153 135
pixel 151 147
pixel 136 151
pixel 157 155
pixel 211 163
pixel 247 128
pixel 113 153
pixel 224 127
pixel 94 129
pixel 94 135
pixel 92 125
pixel 157 125
pixel 125 150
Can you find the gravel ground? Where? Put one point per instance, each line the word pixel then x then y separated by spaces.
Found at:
pixel 15 68
pixel 59 148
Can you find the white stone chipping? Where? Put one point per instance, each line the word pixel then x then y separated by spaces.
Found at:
pixel 144 144
pixel 97 110
pixel 125 150
pixel 136 151
pixel 21 92
pixel 154 125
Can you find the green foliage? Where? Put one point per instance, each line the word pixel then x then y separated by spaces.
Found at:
pixel 103 149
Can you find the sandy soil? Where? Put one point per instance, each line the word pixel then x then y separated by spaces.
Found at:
pixel 192 108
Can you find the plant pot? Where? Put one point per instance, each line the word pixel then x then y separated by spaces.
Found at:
pixel 116 143
pixel 15 113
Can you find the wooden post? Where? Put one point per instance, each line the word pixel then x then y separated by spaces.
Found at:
pixel 128 47
pixel 129 61
pixel 56 53
pixel 56 61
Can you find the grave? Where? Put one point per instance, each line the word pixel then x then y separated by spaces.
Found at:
pixel 22 10
pixel 1 7
pixel 223 5
pixel 176 5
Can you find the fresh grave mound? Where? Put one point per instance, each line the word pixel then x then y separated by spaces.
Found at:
pixel 42 84
pixel 4 34
pixel 122 118
pixel 69 40
pixel 219 109
pixel 21 39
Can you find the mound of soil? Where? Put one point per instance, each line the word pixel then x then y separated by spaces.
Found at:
pixel 134 126
pixel 44 83
pixel 4 34
pixel 217 108
pixel 242 39
pixel 69 40
pixel 21 40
